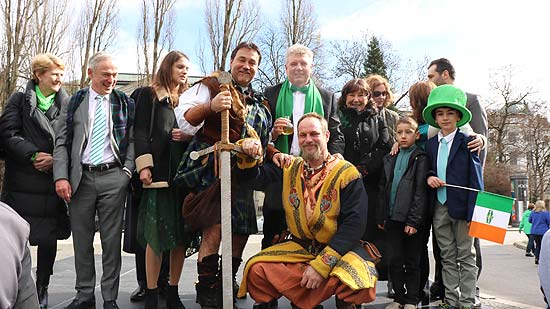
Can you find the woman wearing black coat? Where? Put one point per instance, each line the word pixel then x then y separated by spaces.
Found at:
pixel 367 141
pixel 27 131
pixel 159 145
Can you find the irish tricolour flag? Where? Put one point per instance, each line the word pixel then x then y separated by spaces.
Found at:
pixel 491 216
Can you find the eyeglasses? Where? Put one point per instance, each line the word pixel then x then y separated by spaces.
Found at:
pixel 376 94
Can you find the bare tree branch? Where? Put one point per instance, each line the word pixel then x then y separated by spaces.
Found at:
pixel 228 25
pixel 95 31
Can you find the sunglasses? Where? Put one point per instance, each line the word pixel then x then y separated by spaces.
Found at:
pixel 376 94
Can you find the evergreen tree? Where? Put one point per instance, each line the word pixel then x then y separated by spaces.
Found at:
pixel 374 64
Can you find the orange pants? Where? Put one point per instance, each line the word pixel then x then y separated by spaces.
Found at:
pixel 269 281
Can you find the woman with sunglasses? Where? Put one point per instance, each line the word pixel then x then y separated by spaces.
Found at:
pixel 382 97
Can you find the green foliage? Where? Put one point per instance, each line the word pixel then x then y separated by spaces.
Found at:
pixel 374 64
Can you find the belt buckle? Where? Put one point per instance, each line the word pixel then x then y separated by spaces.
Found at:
pixel 103 167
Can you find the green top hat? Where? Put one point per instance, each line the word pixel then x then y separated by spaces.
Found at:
pixel 447 96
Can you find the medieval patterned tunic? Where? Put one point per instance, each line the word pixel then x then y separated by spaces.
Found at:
pixel 326 221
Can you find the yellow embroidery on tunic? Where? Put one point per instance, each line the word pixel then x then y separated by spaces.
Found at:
pixel 351 269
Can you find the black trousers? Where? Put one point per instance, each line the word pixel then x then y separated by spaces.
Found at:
pixel 404 252
pixel 45 257
pixel 274 214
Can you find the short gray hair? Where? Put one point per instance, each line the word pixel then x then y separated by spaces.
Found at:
pixel 98 57
pixel 298 49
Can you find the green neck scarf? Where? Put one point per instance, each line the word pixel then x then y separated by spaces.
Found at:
pixel 285 106
pixel 44 103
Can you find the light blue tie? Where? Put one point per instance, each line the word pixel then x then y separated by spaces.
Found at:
pixel 442 158
pixel 98 132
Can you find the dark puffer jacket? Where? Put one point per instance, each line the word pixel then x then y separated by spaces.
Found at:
pixel 367 141
pixel 411 201
pixel 24 131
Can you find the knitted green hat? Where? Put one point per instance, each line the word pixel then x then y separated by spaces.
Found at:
pixel 447 96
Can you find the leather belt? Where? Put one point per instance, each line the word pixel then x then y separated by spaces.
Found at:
pixel 100 167
pixel 312 246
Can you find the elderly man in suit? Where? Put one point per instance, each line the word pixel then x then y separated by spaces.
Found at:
pixel 289 101
pixel 93 160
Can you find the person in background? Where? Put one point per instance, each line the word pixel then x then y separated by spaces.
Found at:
pixel 17 289
pixel 540 220
pixel 159 145
pixel 525 226
pixel 28 130
pixel 382 96
pixel 402 212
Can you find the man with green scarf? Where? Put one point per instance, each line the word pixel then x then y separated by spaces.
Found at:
pixel 289 101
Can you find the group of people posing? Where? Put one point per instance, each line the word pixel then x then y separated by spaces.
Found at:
pixel 342 177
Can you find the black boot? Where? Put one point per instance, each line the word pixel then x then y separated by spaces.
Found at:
pixel 151 298
pixel 209 297
pixel 173 300
pixel 209 293
pixel 42 290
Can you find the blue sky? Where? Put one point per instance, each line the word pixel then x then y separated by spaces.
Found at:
pixel 477 36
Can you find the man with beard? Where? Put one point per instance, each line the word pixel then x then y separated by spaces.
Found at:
pixel 323 198
pixel 198 114
pixel 288 101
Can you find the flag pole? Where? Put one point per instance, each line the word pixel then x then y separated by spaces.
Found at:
pixel 461 187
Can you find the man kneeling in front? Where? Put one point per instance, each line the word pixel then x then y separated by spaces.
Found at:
pixel 325 205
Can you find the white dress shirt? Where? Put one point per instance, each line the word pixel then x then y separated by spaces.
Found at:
pixel 108 152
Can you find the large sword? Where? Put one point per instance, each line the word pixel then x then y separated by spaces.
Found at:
pixel 224 79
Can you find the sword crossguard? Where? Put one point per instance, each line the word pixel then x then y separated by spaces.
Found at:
pixel 219 146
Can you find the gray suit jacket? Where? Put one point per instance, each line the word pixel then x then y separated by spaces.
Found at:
pixel 336 141
pixel 479 121
pixel 67 162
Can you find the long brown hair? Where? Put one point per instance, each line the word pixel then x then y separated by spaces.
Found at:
pixel 418 97
pixel 163 78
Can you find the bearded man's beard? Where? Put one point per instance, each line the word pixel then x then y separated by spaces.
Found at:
pixel 311 155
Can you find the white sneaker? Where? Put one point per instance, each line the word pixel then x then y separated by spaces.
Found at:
pixel 393 305
pixel 409 306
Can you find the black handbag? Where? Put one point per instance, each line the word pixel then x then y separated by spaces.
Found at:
pixel 63 227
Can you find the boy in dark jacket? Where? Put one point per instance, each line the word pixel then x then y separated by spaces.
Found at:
pixel 403 206
pixel 452 163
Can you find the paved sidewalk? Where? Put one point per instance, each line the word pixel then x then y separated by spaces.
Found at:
pixel 62 282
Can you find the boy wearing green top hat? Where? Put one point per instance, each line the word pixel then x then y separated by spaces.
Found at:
pixel 452 163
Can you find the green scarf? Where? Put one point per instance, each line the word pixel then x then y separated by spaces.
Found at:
pixel 285 106
pixel 42 102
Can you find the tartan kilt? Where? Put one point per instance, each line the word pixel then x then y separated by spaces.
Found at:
pixel 197 176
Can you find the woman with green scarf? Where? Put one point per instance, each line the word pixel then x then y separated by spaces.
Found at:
pixel 27 130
